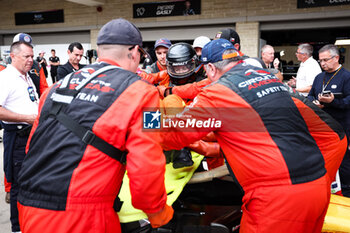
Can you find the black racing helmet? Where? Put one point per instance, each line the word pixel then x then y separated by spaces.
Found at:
pixel 181 63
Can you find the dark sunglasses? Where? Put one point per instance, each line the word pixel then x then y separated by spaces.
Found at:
pixel 31 93
pixel 141 51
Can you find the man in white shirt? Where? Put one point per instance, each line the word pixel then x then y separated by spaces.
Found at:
pixel 307 71
pixel 18 110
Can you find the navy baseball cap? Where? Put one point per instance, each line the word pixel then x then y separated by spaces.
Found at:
pixel 164 42
pixel 214 51
pixel 120 31
pixel 23 37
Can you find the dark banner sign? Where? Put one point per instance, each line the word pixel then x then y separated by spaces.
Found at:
pixel 317 3
pixel 39 17
pixel 160 9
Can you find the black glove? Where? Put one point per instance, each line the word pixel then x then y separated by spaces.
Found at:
pixel 183 158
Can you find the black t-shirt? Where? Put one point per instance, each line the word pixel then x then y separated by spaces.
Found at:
pixel 54 59
pixel 65 69
pixel 43 64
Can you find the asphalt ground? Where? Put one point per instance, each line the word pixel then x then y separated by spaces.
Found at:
pixel 5 224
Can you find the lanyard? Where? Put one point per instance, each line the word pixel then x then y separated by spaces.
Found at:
pixel 324 86
pixel 32 93
pixel 27 80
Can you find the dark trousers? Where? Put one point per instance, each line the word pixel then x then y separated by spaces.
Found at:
pixel 17 158
pixel 53 73
pixel 344 174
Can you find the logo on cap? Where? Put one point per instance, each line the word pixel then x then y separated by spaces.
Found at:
pixel 163 42
pixel 27 39
pixel 224 45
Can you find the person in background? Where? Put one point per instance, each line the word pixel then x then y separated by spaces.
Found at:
pixel 6 184
pixel 307 71
pixel 232 36
pixel 37 72
pixel 18 109
pixel 75 53
pixel 330 91
pixel 54 63
pixel 268 55
pixel 189 91
pixel 42 62
pixel 199 43
pixel 188 10
pixel 80 176
pixel 39 80
pixel 161 48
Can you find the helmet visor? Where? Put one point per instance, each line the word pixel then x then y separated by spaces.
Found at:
pixel 180 68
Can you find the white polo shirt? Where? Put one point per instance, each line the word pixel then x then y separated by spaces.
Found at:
pixel 14 94
pixel 307 73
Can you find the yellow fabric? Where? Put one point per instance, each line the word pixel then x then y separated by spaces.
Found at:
pixel 175 181
pixel 338 215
